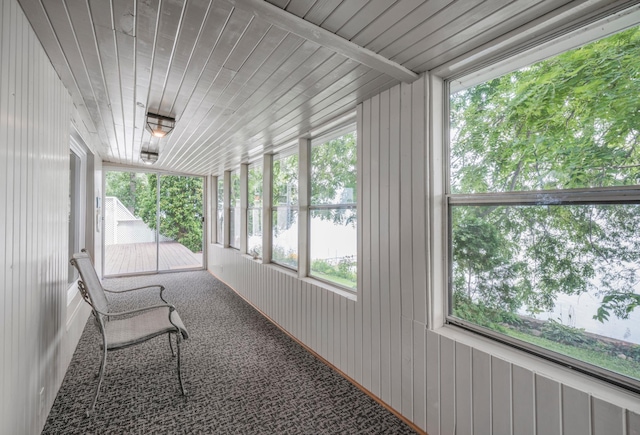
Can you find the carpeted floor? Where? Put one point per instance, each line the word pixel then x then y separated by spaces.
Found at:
pixel 242 374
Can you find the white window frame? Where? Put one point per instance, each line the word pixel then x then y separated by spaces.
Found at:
pixel 317 141
pixel 237 208
pixel 274 207
pixel 251 166
pixel 219 209
pixel 80 194
pixel 441 198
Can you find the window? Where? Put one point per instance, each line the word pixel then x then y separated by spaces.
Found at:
pixel 234 210
pixel 285 211
pixel 333 218
pixel 76 207
pixel 544 208
pixel 220 211
pixel 254 211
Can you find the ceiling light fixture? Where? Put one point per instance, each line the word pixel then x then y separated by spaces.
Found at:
pixel 148 157
pixel 158 125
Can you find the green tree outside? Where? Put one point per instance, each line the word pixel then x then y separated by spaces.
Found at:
pixel 569 122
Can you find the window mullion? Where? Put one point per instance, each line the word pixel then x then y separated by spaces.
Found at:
pixel 267 201
pixel 349 206
pixel 615 195
pixel 304 198
pixel 213 207
pixel 244 203
pixel 227 210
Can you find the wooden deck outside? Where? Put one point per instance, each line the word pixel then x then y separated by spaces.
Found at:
pixel 141 257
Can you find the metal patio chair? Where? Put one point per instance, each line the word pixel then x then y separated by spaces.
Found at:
pixel 126 328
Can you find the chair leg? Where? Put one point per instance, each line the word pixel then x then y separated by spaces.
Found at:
pixel 178 340
pixel 103 363
pixel 173 352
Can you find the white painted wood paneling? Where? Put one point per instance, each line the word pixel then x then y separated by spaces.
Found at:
pixel 501 400
pixel 523 405
pixel 606 418
pixel 36 343
pixel 548 406
pixel 447 386
pixel 576 415
pixel 633 423
pixel 463 391
pixel 481 391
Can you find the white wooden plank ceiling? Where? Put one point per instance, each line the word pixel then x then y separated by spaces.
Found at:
pixel 241 76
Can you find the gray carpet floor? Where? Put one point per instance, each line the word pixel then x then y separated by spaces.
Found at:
pixel 243 376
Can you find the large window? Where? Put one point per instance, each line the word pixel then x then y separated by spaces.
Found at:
pixel 285 211
pixel 234 211
pixel 544 208
pixel 333 220
pixel 254 211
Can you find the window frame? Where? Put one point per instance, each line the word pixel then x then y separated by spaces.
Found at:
pixel 218 190
pixel 77 197
pixel 235 209
pixel 444 201
pixel 252 166
pixel 319 141
pixel 274 208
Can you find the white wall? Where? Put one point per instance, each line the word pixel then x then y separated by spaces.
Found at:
pixel 446 381
pixel 38 330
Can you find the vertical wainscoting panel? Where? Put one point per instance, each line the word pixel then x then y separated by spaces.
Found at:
pixel 547 406
pixel 576 412
pixel 406 248
pixel 481 391
pixel 447 386
pixel 395 303
pixel 523 402
pixel 384 252
pixel 419 374
pixel 35 117
pixel 374 268
pixel 463 401
pixel 633 423
pixel 362 270
pixel 501 396
pixel 433 383
pixel 364 296
pixel 606 418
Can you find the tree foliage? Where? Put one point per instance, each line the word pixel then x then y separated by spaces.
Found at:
pixel 572 121
pixel 333 177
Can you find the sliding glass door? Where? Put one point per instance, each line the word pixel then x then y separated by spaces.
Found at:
pixel 152 223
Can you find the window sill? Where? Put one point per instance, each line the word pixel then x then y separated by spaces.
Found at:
pixel 600 389
pixel 323 285
pixel 252 258
pixel 334 289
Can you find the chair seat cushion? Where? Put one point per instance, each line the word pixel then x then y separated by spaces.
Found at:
pixel 138 328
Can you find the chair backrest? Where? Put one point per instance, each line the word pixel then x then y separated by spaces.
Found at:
pixel 89 277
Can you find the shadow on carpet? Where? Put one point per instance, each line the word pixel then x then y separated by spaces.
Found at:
pixel 242 374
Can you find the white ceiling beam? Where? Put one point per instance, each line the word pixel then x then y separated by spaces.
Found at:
pixel 309 31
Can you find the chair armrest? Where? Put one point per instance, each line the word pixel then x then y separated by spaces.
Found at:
pixel 139 310
pixel 161 287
